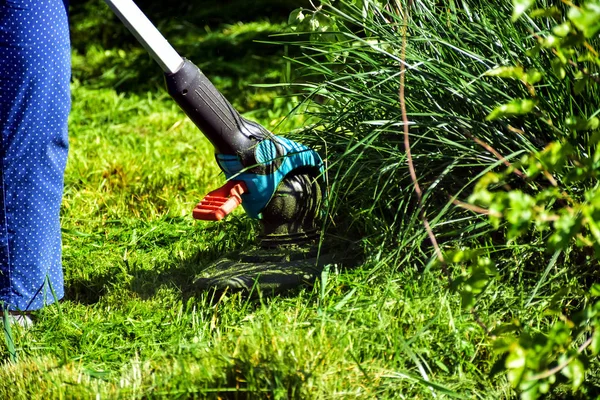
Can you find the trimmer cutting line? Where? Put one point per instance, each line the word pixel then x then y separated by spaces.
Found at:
pixel 273 178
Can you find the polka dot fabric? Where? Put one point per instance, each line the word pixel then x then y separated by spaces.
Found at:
pixel 34 106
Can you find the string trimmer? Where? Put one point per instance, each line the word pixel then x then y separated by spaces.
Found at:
pixel 273 178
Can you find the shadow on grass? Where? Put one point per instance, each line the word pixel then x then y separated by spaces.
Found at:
pixel 249 270
pixel 229 52
pixel 176 274
pixel 165 258
pixel 143 282
pixel 89 291
pixel 171 254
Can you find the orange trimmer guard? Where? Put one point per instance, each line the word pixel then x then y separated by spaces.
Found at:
pixel 220 202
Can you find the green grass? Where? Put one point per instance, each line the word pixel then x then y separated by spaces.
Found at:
pixel 132 324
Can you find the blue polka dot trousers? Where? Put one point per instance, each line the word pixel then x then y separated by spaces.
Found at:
pixel 34 105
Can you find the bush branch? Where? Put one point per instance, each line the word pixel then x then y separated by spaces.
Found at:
pixel 495 153
pixel 549 372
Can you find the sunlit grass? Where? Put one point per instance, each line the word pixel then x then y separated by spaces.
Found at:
pixel 133 325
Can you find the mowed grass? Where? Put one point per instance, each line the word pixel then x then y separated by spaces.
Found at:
pixel 132 324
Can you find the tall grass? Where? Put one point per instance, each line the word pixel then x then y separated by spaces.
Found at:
pixel 351 74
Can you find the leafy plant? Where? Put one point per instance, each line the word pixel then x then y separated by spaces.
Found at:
pixel 537 361
pixel 561 197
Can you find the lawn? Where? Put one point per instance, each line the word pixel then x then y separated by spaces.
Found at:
pixel 132 324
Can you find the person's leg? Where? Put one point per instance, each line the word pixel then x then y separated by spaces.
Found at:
pixel 34 106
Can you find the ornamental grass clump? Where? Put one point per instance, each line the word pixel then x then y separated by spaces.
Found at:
pixel 351 69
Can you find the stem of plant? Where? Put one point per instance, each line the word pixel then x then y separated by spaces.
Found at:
pixel 495 153
pixel 548 373
pixel 411 166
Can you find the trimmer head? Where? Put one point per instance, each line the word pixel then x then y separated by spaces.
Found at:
pixel 288 253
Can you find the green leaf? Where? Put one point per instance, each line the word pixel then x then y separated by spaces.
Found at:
pixel 558 68
pixel 592 225
pixel 534 51
pixel 477 282
pixel 487 266
pixel 314 24
pixel 533 76
pixel 505 328
pixel 576 123
pixel 560 334
pixel 463 255
pixel 576 372
pixel 580 85
pixel 530 76
pixel 296 16
pixel 565 229
pixel 467 298
pixel 507 72
pixel 517 358
pixel 550 41
pixel 503 344
pixel 555 156
pixel 571 41
pixel 586 18
pixel 519 213
pixel 563 54
pixel 496 210
pixel 562 30
pixel 595 345
pixel 529 390
pixel 588 56
pixel 595 290
pixel 515 375
pixel 515 107
pixel 519 7
pixel 544 387
pixel 552 12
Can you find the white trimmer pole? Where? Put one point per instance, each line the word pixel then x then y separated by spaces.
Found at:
pixel 147 34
